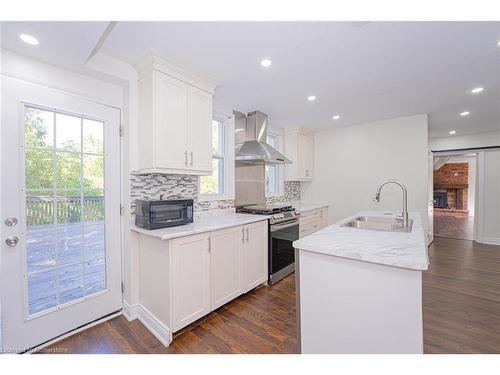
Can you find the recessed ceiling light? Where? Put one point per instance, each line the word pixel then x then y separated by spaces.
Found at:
pixel 29 39
pixel 336 117
pixel 465 113
pixel 311 98
pixel 452 132
pixel 266 63
pixel 476 90
pixel 498 43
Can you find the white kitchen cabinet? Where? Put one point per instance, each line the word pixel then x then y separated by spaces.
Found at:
pixel 182 279
pixel 299 147
pixel 190 279
pixel 312 221
pixel 170 142
pixel 199 130
pixel 226 260
pixel 175 117
pixel 255 255
pixel 324 217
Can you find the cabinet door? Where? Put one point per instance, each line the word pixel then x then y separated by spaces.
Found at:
pixel 324 217
pixel 170 123
pixel 255 255
pixel 309 157
pixel 190 279
pixel 304 158
pixel 226 249
pixel 200 115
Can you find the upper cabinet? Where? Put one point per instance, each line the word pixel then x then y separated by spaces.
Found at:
pixel 299 147
pixel 175 119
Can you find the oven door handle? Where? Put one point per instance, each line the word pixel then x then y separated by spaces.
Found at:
pixel 277 227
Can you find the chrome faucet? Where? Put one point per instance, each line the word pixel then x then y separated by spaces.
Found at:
pixel 405 199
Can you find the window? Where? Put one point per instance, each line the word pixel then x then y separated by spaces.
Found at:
pixel 214 184
pixel 274 173
pixel 65 201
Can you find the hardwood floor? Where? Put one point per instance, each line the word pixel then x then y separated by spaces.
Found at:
pixel 461 298
pixel 450 226
pixel 261 321
pixel 461 306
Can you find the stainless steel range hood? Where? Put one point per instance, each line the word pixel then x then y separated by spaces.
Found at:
pixel 252 147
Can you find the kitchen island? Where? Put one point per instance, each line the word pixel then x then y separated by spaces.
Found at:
pixel 359 290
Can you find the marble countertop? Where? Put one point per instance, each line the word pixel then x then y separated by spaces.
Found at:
pixel 207 224
pixel 398 249
pixel 304 207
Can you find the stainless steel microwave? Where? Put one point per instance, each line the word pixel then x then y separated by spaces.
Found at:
pixel 156 214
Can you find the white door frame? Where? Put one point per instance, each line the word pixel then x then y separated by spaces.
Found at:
pixel 479 196
pixel 430 199
pixel 20 333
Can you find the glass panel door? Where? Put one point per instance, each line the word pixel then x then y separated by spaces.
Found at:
pixel 65 205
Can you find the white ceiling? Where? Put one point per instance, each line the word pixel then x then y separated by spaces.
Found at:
pixel 362 71
pixel 66 44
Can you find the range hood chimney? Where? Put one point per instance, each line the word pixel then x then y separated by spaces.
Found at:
pixel 253 149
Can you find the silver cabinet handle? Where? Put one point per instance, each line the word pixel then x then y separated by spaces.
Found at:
pixel 12 240
pixel 186 158
pixel 243 235
pixel 247 234
pixel 191 158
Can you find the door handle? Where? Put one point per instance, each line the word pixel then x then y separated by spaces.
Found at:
pixel 11 221
pixel 191 158
pixel 12 240
pixel 243 235
pixel 247 234
pixel 186 158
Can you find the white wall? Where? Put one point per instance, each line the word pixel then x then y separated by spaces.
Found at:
pixel 34 71
pixel 124 74
pixel 488 212
pixel 351 162
pixel 457 142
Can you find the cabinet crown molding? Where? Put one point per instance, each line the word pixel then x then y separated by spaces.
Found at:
pixel 154 61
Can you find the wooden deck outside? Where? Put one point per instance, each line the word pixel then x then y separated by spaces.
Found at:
pixel 64 263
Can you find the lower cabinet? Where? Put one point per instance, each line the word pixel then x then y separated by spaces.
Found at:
pixel 312 221
pixel 238 259
pixel 190 279
pixel 226 264
pixel 255 260
pixel 204 271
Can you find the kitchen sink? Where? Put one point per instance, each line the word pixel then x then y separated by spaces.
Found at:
pixel 389 224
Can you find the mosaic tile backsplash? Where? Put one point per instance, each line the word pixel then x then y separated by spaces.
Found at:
pixel 152 186
pixel 291 193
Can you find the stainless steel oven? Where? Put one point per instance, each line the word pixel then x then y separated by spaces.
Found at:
pixel 281 251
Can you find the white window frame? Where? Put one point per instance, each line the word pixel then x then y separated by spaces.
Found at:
pixel 280 170
pixel 227 118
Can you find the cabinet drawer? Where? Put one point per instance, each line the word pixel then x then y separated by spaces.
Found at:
pixel 309 214
pixel 308 225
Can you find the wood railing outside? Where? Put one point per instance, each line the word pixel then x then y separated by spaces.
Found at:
pixel 40 209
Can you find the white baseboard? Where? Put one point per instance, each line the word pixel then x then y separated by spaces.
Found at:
pixel 151 322
pixel 489 240
pixel 130 312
